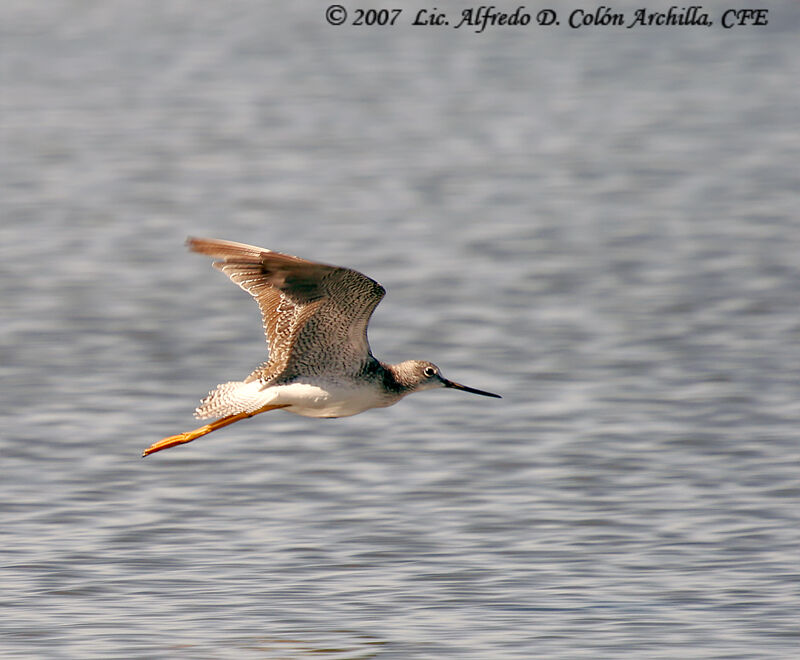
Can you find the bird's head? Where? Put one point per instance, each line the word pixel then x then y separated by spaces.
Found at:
pixel 419 375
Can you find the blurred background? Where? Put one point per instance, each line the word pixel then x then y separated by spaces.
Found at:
pixel 599 224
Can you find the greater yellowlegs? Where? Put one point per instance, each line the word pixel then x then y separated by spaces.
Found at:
pixel 320 364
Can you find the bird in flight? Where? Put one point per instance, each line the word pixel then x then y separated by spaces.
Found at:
pixel 320 363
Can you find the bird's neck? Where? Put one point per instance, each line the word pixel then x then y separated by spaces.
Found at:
pixel 389 376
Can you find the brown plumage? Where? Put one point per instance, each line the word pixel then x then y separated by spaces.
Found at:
pixel 320 363
pixel 315 316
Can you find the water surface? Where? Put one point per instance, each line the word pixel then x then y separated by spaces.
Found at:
pixel 600 225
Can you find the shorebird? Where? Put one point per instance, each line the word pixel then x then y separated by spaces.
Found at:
pixel 320 363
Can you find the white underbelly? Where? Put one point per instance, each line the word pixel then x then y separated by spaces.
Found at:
pixel 332 400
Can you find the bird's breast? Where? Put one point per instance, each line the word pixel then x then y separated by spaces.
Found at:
pixel 331 399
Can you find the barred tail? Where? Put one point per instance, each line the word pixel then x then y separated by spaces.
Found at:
pixel 232 398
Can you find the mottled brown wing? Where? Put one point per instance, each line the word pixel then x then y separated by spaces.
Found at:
pixel 315 315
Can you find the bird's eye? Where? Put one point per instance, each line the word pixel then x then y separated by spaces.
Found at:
pixel 429 372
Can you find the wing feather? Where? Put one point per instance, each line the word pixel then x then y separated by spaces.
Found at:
pixel 315 315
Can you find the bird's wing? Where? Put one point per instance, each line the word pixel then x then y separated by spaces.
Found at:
pixel 315 315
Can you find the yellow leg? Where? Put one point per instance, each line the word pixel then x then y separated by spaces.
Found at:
pixel 188 436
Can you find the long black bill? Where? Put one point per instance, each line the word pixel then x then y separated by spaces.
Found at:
pixel 459 386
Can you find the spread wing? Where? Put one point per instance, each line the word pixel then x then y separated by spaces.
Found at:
pixel 315 315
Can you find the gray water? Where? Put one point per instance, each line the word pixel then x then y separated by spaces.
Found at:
pixel 601 225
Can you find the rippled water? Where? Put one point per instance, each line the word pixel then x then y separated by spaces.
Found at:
pixel 600 225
